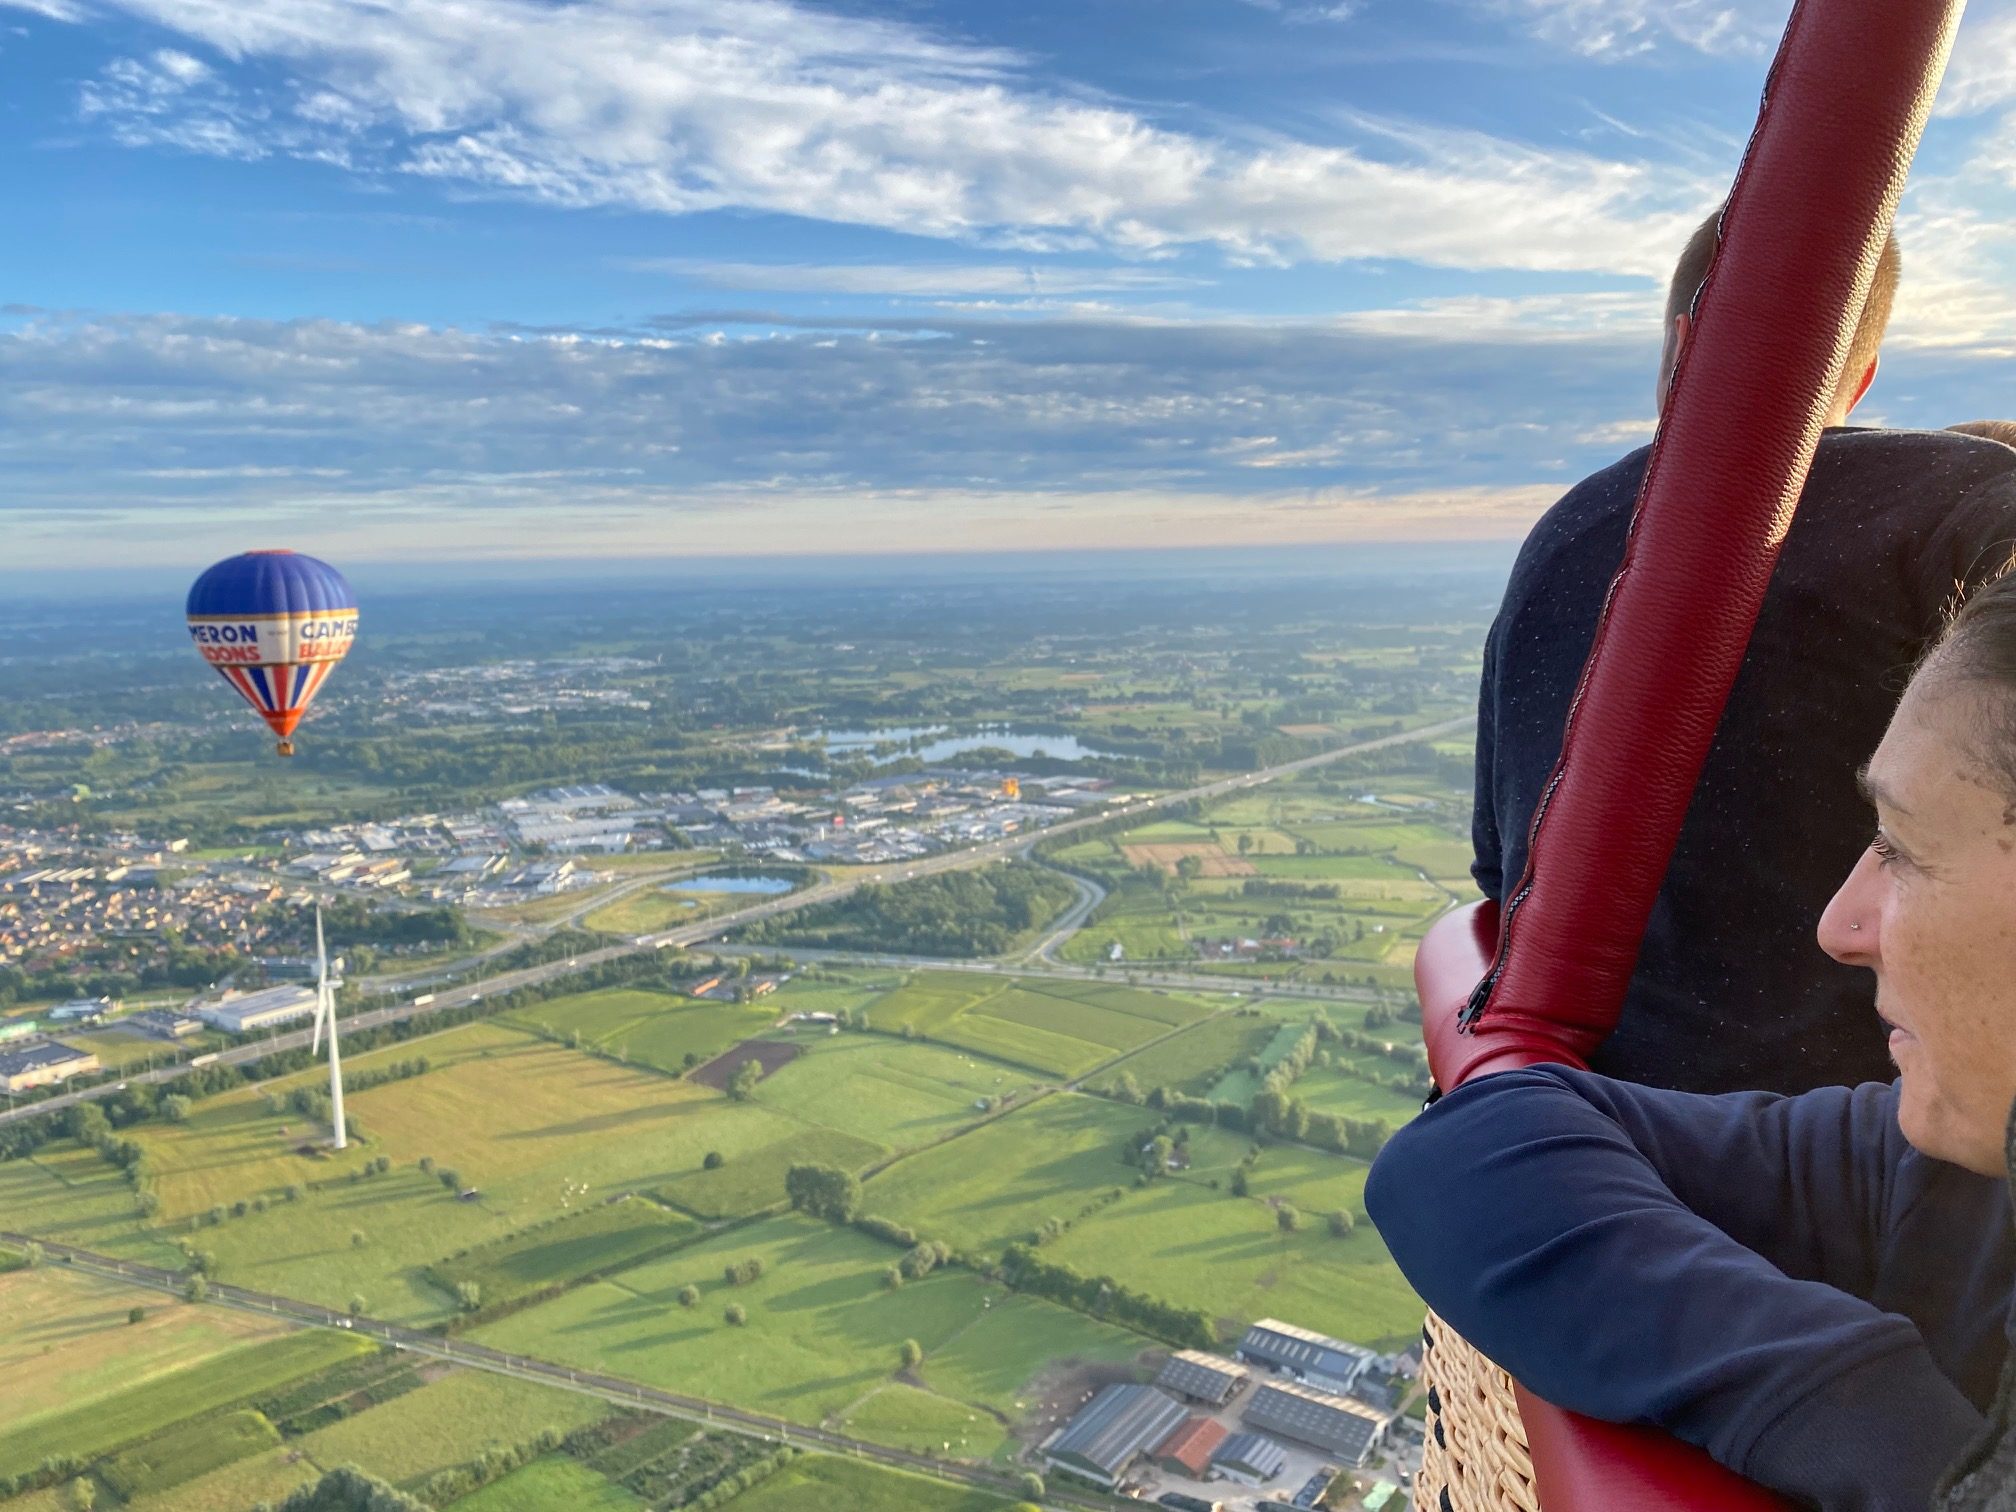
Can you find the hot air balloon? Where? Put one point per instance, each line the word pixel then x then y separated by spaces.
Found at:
pixel 274 623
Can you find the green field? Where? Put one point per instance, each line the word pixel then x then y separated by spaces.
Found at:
pixel 1062 1028
pixel 654 908
pixel 448 1422
pixel 657 1029
pixel 823 1328
pixel 267 1477
pixel 1351 1096
pixel 187 1451
pixel 1193 1061
pixel 905 1417
pixel 900 1093
pixel 994 1186
pixel 75 1195
pixel 752 1180
pixel 552 1484
pixel 601 1238
pixel 822 1483
pixel 65 1341
pixel 120 1417
pixel 1182 1241
pixel 537 1129
pixel 989 1361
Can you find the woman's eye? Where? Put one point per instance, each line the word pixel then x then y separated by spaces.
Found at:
pixel 1885 851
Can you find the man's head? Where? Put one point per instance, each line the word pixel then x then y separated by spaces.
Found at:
pixel 1931 906
pixel 1857 373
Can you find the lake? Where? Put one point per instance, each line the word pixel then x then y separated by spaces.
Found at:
pixel 768 886
pixel 936 742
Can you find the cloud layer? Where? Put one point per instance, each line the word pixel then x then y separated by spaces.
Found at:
pixel 678 106
pixel 164 413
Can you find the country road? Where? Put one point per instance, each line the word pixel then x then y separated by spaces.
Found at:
pixel 546 1373
pixel 826 891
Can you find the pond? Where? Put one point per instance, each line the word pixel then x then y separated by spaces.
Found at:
pixel 769 886
pixel 936 742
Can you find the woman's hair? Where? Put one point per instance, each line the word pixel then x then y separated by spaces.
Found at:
pixel 1979 646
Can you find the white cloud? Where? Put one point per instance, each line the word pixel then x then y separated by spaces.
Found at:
pixel 1611 30
pixel 241 412
pixel 679 106
pixel 1982 73
pixel 54 10
pixel 920 280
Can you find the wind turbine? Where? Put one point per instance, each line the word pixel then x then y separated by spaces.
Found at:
pixel 325 1010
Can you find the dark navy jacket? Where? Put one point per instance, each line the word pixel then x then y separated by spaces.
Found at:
pixel 1784 1282
pixel 1731 992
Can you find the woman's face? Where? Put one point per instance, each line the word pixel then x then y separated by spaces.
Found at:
pixel 1931 909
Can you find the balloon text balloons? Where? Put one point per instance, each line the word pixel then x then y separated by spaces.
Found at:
pixel 274 623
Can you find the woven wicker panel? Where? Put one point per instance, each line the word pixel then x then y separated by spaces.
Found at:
pixel 1475 1457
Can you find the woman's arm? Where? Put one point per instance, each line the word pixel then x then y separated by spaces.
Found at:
pixel 1691 1262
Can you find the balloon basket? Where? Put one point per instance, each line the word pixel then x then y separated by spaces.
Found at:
pixel 286 748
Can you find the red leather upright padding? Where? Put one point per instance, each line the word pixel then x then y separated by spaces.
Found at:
pixel 1844 104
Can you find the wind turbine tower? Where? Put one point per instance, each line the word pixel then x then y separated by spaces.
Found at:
pixel 325 1012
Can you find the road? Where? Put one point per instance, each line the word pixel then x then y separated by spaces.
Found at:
pixel 1059 971
pixel 1090 896
pixel 830 890
pixel 561 1377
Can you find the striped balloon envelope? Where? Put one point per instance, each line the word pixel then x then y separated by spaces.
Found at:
pixel 274 624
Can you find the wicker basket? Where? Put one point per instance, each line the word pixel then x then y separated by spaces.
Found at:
pixel 1474 1458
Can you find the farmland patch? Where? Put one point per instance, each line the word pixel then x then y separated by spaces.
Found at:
pixel 754 1179
pixel 769 1056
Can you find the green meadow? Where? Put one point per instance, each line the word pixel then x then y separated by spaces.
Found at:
pixel 823 1483
pixel 998 1184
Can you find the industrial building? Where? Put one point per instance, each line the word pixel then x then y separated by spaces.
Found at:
pixel 43 1065
pixel 1252 1459
pixel 19 1029
pixel 249 1012
pixel 164 1023
pixel 1112 1431
pixel 1188 1450
pixel 83 1010
pixel 1317 1359
pixel 1202 1377
pixel 1334 1424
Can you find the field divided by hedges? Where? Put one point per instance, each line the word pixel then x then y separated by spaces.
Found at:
pixel 125 1417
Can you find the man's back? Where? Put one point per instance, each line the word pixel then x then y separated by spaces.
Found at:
pixel 1731 991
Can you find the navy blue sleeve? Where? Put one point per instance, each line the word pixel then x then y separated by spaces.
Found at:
pixel 1686 1261
pixel 1487 863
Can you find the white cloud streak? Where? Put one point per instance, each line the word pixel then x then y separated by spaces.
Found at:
pixel 1615 30
pixel 916 280
pixel 679 106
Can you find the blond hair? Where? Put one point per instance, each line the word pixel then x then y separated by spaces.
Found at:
pixel 1989 430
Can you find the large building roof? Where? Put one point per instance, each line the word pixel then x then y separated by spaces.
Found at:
pixel 1191 1444
pixel 1298 1349
pixel 269 1005
pixel 35 1057
pixel 1315 1417
pixel 1254 1453
pixel 1197 1374
pixel 1117 1425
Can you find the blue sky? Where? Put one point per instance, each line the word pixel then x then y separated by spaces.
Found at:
pixel 500 279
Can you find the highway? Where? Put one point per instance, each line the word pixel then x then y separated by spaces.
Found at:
pixel 826 891
pixel 561 1377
